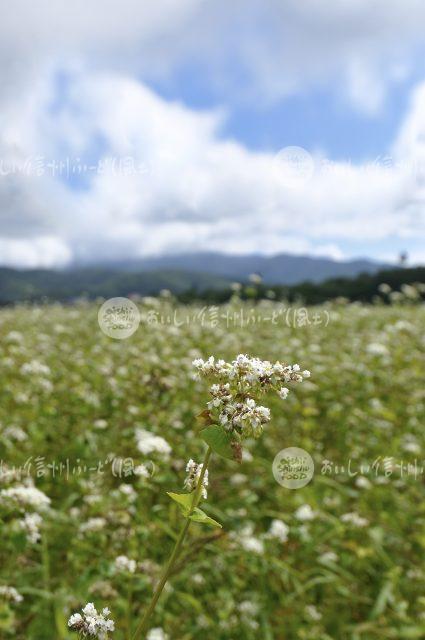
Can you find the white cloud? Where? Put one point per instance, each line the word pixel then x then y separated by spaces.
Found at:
pixel 250 48
pixel 191 187
pixel 39 252
pixel 187 188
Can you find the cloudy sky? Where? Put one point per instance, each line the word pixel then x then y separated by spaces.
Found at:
pixel 136 128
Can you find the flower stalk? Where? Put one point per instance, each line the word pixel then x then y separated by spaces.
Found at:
pixel 232 415
pixel 168 569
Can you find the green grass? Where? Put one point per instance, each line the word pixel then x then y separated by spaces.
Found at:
pixel 362 403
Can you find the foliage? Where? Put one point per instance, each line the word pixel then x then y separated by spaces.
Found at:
pixel 71 402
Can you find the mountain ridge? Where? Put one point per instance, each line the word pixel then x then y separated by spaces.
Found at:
pixel 282 268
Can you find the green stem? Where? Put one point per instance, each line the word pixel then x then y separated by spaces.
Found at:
pixel 174 554
pixel 45 563
pixel 45 560
pixel 129 606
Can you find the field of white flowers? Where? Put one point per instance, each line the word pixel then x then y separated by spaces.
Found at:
pixel 95 431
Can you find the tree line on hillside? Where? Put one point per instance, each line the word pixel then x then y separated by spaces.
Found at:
pixel 91 283
pixel 363 288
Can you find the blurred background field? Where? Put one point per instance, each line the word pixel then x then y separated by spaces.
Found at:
pixel 74 405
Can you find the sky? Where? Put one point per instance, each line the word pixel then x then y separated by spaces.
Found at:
pixel 132 128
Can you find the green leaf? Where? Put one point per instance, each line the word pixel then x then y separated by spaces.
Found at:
pixel 200 516
pixel 184 500
pixel 219 440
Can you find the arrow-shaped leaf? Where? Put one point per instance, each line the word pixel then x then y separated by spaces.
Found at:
pixel 200 516
pixel 184 500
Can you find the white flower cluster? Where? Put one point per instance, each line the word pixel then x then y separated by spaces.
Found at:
pixel 30 502
pixel 148 442
pixel 157 634
pixel 93 524
pixel 355 519
pixel 141 471
pixel 305 513
pixel 10 594
pixel 249 612
pixel 125 565
pixel 250 371
pixel 31 525
pixel 279 530
pixel 238 381
pixel 194 470
pixel 246 539
pixel 92 623
pixel 35 368
pixel 25 497
pixel 8 475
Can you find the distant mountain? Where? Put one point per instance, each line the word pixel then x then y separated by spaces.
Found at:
pixel 197 272
pixel 278 269
pixel 40 284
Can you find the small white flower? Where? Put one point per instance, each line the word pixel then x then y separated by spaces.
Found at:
pixel 157 634
pixel 238 479
pixel 31 525
pixel 249 611
pixel 14 433
pixel 249 543
pixel 283 393
pixel 249 608
pixel 313 613
pixel 10 594
pixel 377 349
pixel 245 537
pixel 150 443
pixel 25 497
pixel 75 620
pixel 35 368
pixel 279 530
pixel 14 336
pixel 93 524
pixel 125 565
pixel 89 609
pixel 363 483
pixel 328 556
pixel 355 519
pixel 194 471
pixel 128 491
pixel 142 471
pixel 91 622
pixel 305 513
pixel 100 424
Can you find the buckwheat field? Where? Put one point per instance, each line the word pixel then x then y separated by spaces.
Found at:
pixel 95 431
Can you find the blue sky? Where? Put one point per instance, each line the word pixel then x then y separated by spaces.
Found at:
pixel 318 118
pixel 135 130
